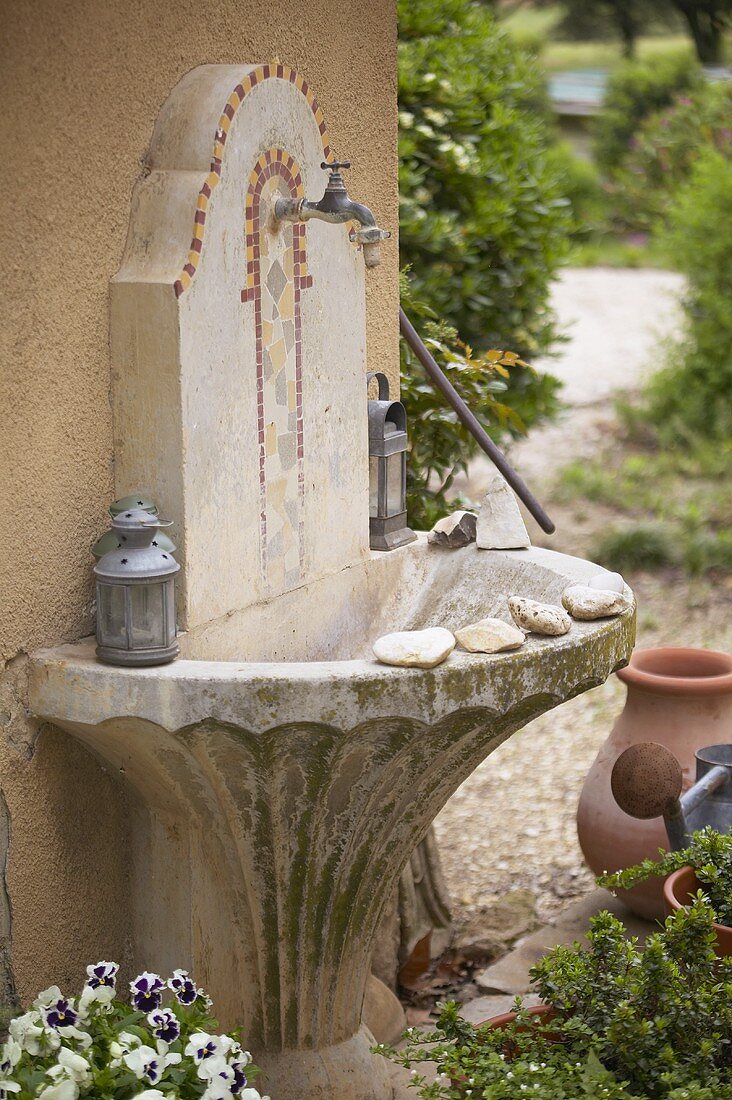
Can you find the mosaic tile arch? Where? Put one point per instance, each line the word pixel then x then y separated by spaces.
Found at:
pixel 276 275
pixel 270 71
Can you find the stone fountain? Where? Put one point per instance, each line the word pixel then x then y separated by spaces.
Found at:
pixel 281 776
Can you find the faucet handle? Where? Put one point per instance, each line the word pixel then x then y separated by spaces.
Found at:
pixel 335 165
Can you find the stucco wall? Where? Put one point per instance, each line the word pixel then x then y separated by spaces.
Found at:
pixel 83 81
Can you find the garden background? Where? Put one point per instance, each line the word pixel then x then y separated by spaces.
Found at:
pixel 593 239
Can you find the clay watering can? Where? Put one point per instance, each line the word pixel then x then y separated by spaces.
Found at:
pixel 646 782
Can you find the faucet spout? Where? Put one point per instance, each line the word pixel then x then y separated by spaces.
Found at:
pixel 337 207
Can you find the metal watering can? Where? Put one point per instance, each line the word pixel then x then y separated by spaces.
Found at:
pixel 646 782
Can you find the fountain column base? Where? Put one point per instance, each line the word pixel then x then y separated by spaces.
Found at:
pixel 347 1070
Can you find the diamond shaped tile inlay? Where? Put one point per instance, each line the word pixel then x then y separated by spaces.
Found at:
pixel 276 280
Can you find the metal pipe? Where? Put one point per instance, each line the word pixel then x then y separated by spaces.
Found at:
pixel 467 418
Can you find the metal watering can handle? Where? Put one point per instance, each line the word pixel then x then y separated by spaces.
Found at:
pixel 382 382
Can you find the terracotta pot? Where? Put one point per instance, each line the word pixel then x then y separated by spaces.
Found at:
pixel 498 1023
pixel 678 890
pixel 682 699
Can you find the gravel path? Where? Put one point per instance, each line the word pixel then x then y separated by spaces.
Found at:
pixel 511 824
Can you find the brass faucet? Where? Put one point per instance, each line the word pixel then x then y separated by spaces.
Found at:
pixel 335 206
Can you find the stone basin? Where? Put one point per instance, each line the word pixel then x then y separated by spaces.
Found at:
pixel 283 777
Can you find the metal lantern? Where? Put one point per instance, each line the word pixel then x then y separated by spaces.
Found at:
pixel 387 471
pixel 136 594
pixel 109 541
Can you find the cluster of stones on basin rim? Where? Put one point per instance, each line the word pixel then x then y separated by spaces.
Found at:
pixel 499 525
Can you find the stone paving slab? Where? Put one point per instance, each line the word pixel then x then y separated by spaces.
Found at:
pixel 510 975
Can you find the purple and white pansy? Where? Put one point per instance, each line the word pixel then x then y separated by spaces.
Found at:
pixel 102 974
pixel 164 1051
pixel 184 987
pixel 147 991
pixel 165 1025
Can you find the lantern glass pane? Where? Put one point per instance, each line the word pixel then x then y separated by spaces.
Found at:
pixel 373 485
pixel 147 621
pixel 170 610
pixel 111 615
pixel 395 484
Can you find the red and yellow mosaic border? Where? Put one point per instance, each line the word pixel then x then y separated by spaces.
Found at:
pixel 273 162
pixel 270 71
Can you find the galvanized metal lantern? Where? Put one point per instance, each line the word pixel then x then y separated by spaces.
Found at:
pixel 109 541
pixel 387 471
pixel 136 594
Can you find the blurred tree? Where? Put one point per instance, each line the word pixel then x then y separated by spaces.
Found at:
pixel 626 18
pixel 707 21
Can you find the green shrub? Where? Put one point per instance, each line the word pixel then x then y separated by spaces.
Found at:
pixel 493 384
pixel 692 393
pixel 644 546
pixel 709 853
pixel 635 91
pixel 663 152
pixel 631 1024
pixel 483 223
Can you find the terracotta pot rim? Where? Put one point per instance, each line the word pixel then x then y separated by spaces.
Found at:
pixel 686 881
pixel 679 670
pixel 505 1018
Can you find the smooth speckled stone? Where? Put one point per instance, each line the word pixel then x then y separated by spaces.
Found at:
pixel 608 582
pixel 490 636
pixel 415 648
pixel 454 531
pixel 587 603
pixel 540 618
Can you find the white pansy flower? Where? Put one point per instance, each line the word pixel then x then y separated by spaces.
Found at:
pixel 71 1066
pixel 210 1052
pixel 151 1094
pixel 101 995
pixel 7 1087
pixel 11 1055
pixel 47 997
pixel 145 1062
pixel 29 1033
pixel 65 1090
pixel 218 1089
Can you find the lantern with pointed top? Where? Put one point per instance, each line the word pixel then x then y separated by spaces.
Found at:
pixel 136 594
pixel 387 471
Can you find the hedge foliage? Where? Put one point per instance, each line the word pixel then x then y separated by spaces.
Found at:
pixel 483 223
pixel 636 90
pixel 691 395
pixel 483 229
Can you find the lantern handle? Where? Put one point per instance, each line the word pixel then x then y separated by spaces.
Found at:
pixel 382 382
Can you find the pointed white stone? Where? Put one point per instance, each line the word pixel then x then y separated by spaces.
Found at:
pixel 415 648
pixel 500 525
pixel 490 636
